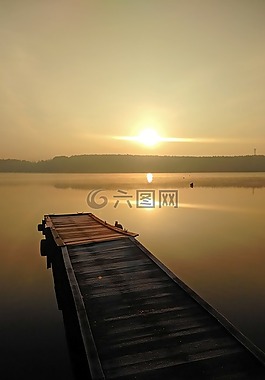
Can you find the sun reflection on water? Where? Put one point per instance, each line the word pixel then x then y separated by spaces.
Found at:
pixel 149 177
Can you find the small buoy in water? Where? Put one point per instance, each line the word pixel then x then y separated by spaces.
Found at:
pixel 191 184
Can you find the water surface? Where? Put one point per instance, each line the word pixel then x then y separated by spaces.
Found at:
pixel 213 241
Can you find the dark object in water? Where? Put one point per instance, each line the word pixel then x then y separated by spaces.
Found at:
pixel 191 184
pixel 117 224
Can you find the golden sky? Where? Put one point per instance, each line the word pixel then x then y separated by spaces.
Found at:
pixel 76 75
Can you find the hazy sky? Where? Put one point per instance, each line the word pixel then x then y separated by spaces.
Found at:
pixel 76 73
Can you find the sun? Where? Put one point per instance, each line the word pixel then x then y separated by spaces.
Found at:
pixel 148 137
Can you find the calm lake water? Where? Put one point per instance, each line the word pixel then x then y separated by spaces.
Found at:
pixel 213 241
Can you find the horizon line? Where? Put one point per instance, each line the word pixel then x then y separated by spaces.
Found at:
pixel 132 155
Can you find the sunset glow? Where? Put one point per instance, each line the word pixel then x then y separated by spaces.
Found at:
pixel 148 137
pixel 106 84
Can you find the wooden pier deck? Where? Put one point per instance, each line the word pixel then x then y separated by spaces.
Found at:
pixel 136 319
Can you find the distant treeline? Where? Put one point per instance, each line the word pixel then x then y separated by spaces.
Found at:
pixel 136 164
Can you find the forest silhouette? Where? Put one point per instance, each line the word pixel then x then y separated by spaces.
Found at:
pixel 118 163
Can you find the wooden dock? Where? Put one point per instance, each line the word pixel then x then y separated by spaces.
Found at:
pixel 134 319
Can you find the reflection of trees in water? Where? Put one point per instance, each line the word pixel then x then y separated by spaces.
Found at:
pixel 131 181
pixel 251 181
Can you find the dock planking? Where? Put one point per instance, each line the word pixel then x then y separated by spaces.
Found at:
pixel 136 319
